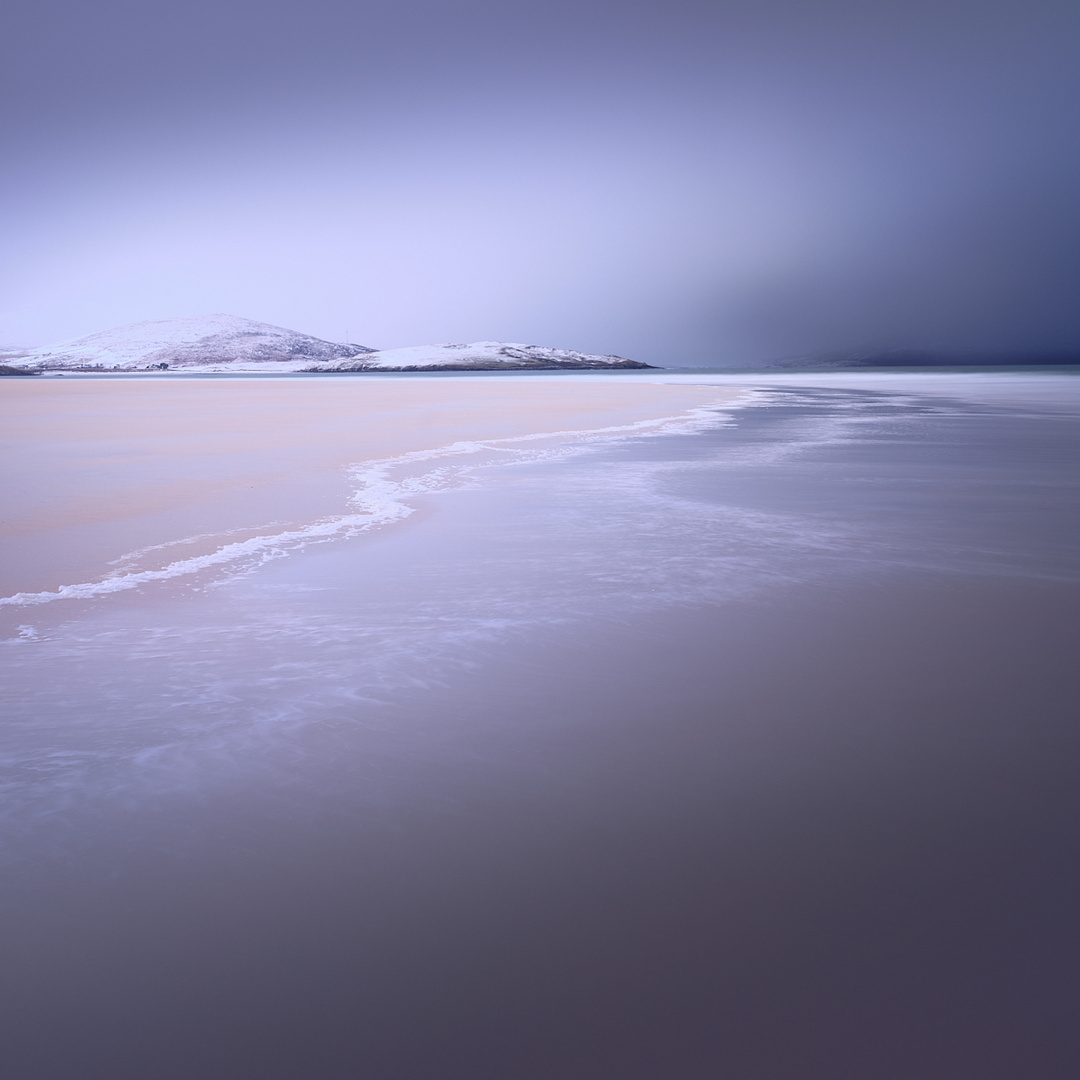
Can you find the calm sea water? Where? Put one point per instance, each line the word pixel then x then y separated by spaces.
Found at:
pixel 747 748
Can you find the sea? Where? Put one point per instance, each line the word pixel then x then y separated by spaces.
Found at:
pixel 741 745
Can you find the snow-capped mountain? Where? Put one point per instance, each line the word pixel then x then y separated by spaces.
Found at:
pixel 206 342
pixel 479 356
pixel 225 343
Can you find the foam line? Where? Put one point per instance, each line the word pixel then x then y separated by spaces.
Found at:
pixel 378 501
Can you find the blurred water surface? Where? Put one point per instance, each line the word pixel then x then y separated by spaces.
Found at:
pixel 742 749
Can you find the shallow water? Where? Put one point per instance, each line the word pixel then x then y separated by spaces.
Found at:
pixel 745 748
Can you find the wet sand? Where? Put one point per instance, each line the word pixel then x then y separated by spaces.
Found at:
pixel 822 836
pixel 94 468
pixel 748 751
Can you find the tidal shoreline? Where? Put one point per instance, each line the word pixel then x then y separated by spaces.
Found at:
pixel 94 469
pixel 744 745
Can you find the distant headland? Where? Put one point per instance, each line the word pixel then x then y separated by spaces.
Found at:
pixel 913 358
pixel 226 343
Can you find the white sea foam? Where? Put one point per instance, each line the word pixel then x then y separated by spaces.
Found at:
pixel 378 501
pixel 118 705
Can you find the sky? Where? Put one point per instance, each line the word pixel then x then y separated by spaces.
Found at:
pixel 683 183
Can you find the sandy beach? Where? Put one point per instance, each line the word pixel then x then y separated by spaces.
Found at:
pixel 95 468
pixel 635 751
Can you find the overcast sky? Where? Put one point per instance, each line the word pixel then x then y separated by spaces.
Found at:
pixel 681 182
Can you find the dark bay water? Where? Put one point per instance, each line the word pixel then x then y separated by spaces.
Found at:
pixel 748 751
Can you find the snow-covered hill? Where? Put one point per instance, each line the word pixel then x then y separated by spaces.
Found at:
pixel 224 343
pixel 206 342
pixel 479 356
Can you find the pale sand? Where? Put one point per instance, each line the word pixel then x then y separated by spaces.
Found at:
pixel 95 468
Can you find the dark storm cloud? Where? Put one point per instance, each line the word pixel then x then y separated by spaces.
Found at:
pixel 685 182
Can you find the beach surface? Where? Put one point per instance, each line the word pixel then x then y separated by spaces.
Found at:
pixel 92 469
pixel 738 740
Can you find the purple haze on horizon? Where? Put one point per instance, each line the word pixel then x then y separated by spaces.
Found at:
pixel 684 182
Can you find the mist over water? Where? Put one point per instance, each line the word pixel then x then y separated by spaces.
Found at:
pixel 683 183
pixel 745 748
